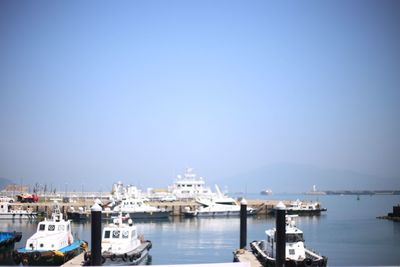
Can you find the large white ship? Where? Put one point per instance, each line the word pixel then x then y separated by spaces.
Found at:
pixel 189 186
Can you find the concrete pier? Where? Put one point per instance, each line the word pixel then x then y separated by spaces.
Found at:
pixel 263 207
pixel 245 256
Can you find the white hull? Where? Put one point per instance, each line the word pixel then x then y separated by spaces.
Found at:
pixel 17 216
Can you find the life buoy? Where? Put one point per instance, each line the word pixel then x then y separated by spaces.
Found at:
pixel 25 261
pixel 36 256
pixel 113 257
pixel 307 262
pixel 131 258
pixel 125 257
pixel 16 257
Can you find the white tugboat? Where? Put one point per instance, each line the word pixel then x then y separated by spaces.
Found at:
pixel 121 243
pixel 52 244
pixel 296 252
pixel 220 205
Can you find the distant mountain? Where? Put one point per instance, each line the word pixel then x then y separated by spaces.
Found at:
pixel 4 182
pixel 295 178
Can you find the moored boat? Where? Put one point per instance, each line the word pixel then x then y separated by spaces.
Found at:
pixel 7 242
pixel 297 207
pixel 296 252
pixel 52 244
pixel 8 213
pixel 121 244
pixel 218 206
pixel 137 209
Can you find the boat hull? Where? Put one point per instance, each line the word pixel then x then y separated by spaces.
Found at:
pixel 157 215
pixel 47 257
pixel 191 214
pixel 139 255
pixel 17 216
pixel 267 261
pixel 7 243
pixel 299 212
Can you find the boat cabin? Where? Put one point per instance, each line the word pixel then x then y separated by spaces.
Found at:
pixel 51 234
pixel 295 249
pixel 119 236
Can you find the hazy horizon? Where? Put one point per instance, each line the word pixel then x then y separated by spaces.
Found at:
pixel 97 92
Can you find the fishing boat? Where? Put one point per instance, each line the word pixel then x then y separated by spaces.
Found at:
pixel 121 244
pixel 218 206
pixel 52 244
pixel 7 243
pixel 8 213
pixel 296 252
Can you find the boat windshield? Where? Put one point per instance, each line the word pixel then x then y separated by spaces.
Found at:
pixel 291 238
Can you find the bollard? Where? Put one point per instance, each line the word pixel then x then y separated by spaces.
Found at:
pixel 243 223
pixel 96 235
pixel 280 210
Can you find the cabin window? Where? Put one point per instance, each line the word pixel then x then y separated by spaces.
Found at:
pixel 291 238
pixel 51 227
pixel 107 234
pixel 125 234
pixel 42 227
pixel 61 228
pixel 269 239
pixel 291 251
pixel 116 234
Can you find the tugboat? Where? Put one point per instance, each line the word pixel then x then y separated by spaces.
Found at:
pixel 121 244
pixel 52 244
pixel 296 252
pixel 7 242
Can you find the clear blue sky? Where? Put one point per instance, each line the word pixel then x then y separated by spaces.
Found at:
pixel 100 91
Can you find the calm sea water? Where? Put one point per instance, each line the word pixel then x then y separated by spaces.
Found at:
pixel 348 234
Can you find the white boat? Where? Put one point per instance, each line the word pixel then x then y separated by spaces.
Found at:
pixel 296 252
pixel 137 209
pixel 300 208
pixel 7 213
pixel 266 192
pixel 190 186
pixel 220 205
pixel 52 244
pixel 121 243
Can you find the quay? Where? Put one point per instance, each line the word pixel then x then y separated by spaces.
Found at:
pixel 262 207
pixel 245 256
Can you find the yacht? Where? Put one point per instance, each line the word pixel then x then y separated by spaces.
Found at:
pixel 189 186
pixel 296 252
pixel 7 213
pixel 52 244
pixel 137 209
pixel 220 205
pixel 121 243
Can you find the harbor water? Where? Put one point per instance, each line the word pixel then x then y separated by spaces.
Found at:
pixel 348 233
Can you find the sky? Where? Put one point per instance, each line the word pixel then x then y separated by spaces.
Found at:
pixel 92 92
